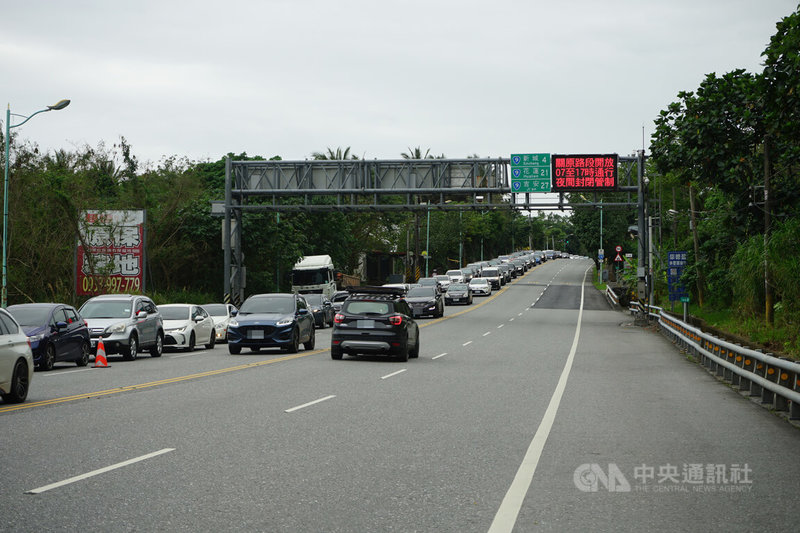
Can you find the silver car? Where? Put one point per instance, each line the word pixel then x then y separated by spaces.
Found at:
pixel 126 323
pixel 16 360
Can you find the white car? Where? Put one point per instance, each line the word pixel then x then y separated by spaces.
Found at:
pixel 221 314
pixel 186 325
pixel 16 360
pixel 480 286
pixel 456 276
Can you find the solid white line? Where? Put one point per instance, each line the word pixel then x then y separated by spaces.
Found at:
pixel 466 343
pixel 487 333
pixel 393 374
pixel 440 355
pixel 291 410
pixel 509 509
pixel 55 374
pixel 97 472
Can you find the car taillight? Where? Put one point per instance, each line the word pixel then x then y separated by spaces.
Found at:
pixel 395 320
pixel 339 318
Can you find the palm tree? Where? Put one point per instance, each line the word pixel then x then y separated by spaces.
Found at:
pixel 334 155
pixel 416 153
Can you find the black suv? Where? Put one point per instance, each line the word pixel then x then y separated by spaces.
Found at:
pixel 375 321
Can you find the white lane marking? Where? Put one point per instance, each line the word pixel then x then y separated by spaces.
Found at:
pixel 466 343
pixel 98 471
pixel 293 409
pixel 387 376
pixel 56 374
pixel 500 326
pixel 511 319
pixel 440 355
pixel 184 355
pixel 487 333
pixel 509 509
pixel 519 314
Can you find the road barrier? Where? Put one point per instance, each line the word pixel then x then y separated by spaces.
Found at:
pixel 775 380
pixel 612 296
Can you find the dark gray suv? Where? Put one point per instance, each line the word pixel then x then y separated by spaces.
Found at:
pixel 127 323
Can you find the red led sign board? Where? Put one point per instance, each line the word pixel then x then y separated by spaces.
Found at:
pixel 583 172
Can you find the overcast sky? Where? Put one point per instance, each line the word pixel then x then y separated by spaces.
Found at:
pixel 199 79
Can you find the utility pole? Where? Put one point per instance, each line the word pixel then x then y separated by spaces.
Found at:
pixel 768 297
pixel 700 276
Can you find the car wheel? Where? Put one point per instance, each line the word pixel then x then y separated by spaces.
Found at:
pixel 84 358
pixel 158 348
pixel 312 340
pixel 18 390
pixel 212 340
pixel 294 343
pixel 403 355
pixel 132 351
pixel 414 353
pixel 190 347
pixel 336 354
pixel 234 350
pixel 49 358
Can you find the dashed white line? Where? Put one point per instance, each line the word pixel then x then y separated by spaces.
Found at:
pixel 466 343
pixel 98 471
pixel 511 319
pixel 487 333
pixel 387 376
pixel 519 314
pixel 293 409
pixel 438 356
pixel 500 326
pixel 184 355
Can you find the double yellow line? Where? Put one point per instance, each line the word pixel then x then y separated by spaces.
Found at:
pixel 108 392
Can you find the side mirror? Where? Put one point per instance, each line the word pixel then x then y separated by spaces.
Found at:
pixel 198 319
pixel 141 314
pixel 234 312
pixel 61 325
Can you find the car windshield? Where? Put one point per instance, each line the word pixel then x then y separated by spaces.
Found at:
pixel 421 292
pixel 478 281
pixel 313 299
pixel 490 273
pixel 216 309
pixel 340 296
pixel 455 287
pixel 106 309
pixel 362 307
pixel 174 313
pixel 427 281
pixel 30 316
pixel 278 304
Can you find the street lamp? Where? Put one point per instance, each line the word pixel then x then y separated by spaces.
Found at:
pixel 61 104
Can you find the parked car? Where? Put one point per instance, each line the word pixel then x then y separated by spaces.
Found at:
pixel 458 293
pixel 126 323
pixel 321 308
pixel 480 286
pixel 186 325
pixel 16 360
pixel 376 321
pixel 425 300
pixel 337 299
pixel 221 314
pixel 272 321
pixel 56 332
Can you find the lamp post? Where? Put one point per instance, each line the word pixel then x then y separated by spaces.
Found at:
pixel 61 104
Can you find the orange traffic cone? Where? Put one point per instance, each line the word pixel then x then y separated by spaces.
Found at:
pixel 100 357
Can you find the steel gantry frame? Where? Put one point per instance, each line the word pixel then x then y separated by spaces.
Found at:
pixel 377 185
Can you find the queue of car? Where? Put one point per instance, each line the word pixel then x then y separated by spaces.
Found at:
pixel 365 320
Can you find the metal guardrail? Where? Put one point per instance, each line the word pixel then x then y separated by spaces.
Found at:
pixel 612 296
pixel 775 380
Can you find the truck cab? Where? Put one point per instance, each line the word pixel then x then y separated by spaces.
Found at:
pixel 314 274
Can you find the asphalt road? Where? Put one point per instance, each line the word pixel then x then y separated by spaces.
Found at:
pixel 537 409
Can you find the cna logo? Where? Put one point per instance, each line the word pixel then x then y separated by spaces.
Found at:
pixel 589 477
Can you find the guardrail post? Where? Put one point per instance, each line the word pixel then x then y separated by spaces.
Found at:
pixel 781 403
pixel 794 411
pixel 770 373
pixel 758 370
pixel 745 363
pixel 721 371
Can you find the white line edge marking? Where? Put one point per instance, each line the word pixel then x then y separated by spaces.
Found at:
pixel 466 343
pixel 387 376
pixel 487 333
pixel 291 410
pixel 438 356
pixel 56 374
pixel 506 516
pixel 98 471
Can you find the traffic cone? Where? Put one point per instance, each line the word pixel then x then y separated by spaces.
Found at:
pixel 100 357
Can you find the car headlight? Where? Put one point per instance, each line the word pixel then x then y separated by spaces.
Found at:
pixel 284 321
pixel 233 324
pixel 177 330
pixel 36 338
pixel 119 327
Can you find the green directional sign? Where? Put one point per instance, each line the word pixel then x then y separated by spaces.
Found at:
pixel 530 172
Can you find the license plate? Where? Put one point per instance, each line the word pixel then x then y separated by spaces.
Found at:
pixel 365 324
pixel 255 334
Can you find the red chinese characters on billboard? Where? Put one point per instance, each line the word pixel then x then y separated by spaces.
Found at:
pixel 110 256
pixel 584 172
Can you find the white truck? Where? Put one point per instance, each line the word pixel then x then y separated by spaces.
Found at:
pixel 314 274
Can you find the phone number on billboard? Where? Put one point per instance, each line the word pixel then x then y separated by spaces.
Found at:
pixel 116 284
